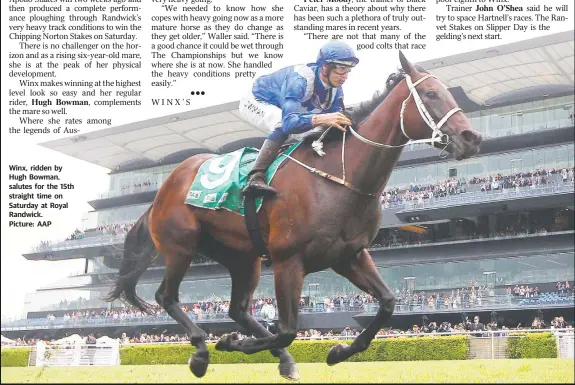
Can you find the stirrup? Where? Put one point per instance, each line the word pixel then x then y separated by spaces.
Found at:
pixel 259 190
pixel 257 186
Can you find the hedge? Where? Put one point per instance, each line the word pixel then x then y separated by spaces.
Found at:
pixel 525 345
pixel 388 349
pixel 536 345
pixel 15 357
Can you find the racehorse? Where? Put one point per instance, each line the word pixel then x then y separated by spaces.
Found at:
pixel 320 222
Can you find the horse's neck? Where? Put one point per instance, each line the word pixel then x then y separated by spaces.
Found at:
pixel 368 167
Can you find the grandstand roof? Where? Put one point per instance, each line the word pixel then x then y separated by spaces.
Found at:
pixel 154 139
pixel 495 75
pixel 543 65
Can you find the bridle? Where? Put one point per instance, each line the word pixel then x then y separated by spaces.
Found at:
pixel 436 137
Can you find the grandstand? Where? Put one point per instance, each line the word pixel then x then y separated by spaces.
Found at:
pixel 489 236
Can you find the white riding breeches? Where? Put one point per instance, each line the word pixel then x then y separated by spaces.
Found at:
pixel 262 115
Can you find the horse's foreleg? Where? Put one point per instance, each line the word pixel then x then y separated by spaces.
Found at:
pixel 362 272
pixel 167 297
pixel 245 279
pixel 289 277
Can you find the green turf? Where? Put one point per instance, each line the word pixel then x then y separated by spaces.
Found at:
pixel 551 370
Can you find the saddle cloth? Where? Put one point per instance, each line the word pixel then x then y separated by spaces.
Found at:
pixel 221 179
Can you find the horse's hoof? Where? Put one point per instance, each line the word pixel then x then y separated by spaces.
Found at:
pixel 289 371
pixel 225 342
pixel 335 354
pixel 198 365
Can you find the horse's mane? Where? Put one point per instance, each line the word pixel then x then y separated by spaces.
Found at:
pixel 360 113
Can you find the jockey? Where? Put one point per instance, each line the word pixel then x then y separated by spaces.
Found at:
pixel 294 100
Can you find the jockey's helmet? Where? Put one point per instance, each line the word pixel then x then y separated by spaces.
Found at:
pixel 337 52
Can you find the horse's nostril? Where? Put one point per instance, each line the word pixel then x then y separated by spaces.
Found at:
pixel 471 137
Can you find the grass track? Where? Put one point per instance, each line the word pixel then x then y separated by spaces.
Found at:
pixel 474 371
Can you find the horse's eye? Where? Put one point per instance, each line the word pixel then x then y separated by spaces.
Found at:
pixel 432 95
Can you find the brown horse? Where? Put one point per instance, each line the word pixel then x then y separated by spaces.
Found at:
pixel 311 225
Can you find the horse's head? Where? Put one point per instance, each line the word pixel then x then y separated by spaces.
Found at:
pixel 433 113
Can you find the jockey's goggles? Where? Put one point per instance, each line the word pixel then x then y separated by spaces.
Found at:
pixel 342 63
pixel 341 69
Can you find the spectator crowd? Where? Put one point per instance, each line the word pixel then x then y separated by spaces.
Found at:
pixel 139 186
pixel 453 186
pixel 390 197
pixel 113 229
pixel 347 332
pixel 472 297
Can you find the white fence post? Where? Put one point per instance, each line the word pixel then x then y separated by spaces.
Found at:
pixel 77 354
pixel 565 344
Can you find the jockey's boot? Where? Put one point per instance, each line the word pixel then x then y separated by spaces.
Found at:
pixel 257 185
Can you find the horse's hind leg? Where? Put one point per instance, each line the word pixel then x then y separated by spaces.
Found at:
pixel 245 278
pixel 167 297
pixel 289 275
pixel 362 273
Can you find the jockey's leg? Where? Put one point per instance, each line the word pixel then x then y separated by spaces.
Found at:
pixel 245 278
pixel 267 117
pixel 289 275
pixel 362 272
pixel 257 184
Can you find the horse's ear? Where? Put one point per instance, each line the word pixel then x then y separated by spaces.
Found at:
pixel 405 64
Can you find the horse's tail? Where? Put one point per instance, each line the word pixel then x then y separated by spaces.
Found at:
pixel 139 252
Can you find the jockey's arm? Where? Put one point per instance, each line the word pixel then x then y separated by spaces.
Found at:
pixel 293 120
pixel 338 118
pixel 335 116
pixel 296 122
